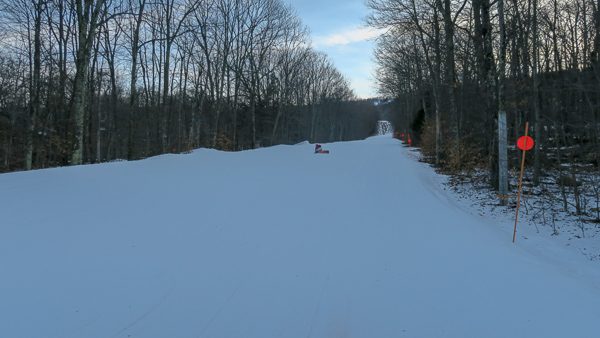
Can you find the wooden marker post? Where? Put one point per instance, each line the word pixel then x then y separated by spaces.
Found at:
pixel 409 146
pixel 524 143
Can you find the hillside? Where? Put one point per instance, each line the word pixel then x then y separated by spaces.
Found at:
pixel 275 242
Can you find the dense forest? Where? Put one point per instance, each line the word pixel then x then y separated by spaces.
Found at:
pixel 85 81
pixel 465 76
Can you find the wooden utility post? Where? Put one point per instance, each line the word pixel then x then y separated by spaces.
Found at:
pixel 502 129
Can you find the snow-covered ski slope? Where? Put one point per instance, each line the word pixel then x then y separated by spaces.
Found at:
pixel 274 242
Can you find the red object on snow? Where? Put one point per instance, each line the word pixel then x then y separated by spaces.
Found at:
pixel 319 150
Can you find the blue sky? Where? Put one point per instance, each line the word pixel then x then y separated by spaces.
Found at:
pixel 337 28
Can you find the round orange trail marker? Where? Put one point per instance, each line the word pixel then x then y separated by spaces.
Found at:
pixel 525 143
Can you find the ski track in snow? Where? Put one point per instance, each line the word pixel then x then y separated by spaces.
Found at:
pixel 154 307
pixel 223 306
pixel 275 242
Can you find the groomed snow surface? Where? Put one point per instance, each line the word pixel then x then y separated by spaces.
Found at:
pixel 275 242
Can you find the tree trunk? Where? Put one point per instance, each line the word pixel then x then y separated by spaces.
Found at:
pixel 133 99
pixel 487 74
pixel 450 74
pixel 253 115
pixel 536 101
pixel 502 128
pixel 164 119
pixel 35 83
pixel 88 15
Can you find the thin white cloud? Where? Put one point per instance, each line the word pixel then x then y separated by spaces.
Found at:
pixel 345 37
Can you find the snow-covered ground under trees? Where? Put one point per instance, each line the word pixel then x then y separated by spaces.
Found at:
pixel 276 242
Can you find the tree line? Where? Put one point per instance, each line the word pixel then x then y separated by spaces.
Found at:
pixel 85 81
pixel 468 74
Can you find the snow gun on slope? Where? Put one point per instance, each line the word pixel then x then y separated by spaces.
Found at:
pixel 319 149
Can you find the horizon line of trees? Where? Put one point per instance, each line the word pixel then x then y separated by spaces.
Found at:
pixel 86 81
pixel 467 75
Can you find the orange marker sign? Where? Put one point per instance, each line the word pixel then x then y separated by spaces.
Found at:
pixel 525 142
